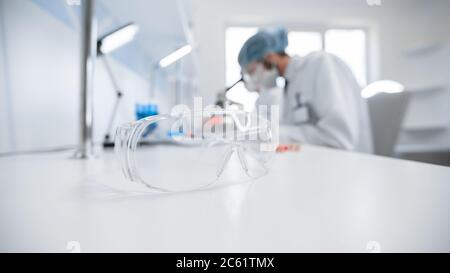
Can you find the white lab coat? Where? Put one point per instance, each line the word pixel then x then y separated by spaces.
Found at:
pixel 331 111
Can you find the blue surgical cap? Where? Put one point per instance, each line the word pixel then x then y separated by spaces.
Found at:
pixel 265 41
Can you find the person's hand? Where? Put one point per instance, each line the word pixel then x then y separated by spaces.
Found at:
pixel 292 147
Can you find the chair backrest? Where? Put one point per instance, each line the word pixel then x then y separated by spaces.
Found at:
pixel 386 115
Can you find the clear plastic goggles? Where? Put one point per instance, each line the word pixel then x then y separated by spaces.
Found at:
pixel 196 150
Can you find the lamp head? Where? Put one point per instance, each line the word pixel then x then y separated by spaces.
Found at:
pixel 116 38
pixel 175 56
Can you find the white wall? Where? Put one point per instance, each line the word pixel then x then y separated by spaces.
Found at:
pixel 5 124
pixel 394 27
pixel 43 81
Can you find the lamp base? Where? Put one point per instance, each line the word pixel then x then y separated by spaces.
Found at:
pixel 80 154
pixel 108 144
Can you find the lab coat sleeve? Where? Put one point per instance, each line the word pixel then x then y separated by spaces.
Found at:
pixel 338 122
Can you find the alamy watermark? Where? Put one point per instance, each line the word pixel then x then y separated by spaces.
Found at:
pixel 375 3
pixel 73 2
pixel 373 247
pixel 73 247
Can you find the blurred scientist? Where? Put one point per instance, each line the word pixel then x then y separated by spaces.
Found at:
pixel 321 105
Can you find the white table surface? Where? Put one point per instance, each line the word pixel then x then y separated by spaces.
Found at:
pixel 316 200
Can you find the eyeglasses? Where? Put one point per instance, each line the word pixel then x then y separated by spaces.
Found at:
pixel 207 148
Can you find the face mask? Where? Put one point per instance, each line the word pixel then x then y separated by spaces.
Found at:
pixel 262 78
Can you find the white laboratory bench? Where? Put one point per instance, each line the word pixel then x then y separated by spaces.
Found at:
pixel 315 200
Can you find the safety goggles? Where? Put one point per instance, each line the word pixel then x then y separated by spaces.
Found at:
pixel 195 150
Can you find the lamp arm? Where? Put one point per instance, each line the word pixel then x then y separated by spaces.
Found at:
pixel 110 74
pixel 116 103
pixel 111 119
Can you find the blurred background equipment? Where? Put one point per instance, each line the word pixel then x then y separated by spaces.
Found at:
pixel 386 115
pixel 221 96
